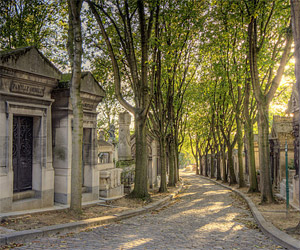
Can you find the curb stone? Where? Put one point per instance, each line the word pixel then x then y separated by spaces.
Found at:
pixel 27 235
pixel 267 228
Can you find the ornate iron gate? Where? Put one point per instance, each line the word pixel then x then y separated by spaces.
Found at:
pixel 22 152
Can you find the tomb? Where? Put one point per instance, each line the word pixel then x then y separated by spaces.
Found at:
pixel 281 133
pixel 154 169
pixel 109 176
pixel 91 94
pixel 126 154
pixel 27 79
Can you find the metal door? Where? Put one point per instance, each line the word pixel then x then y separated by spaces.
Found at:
pixel 22 152
pixel 86 149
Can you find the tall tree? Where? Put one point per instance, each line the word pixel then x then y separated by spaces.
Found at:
pixel 250 117
pixel 75 55
pixel 132 24
pixel 268 26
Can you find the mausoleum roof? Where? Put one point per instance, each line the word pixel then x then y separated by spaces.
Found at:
pixel 29 59
pixel 90 84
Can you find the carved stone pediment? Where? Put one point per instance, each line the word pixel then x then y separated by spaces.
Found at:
pixel 30 60
pixel 90 85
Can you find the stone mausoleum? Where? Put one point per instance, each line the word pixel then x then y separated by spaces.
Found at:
pixel 91 94
pixel 35 132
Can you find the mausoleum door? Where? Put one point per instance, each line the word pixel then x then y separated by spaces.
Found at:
pixel 22 152
pixel 86 149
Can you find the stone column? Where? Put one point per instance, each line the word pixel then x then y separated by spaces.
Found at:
pixel 124 149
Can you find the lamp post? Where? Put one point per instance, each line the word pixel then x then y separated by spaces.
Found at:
pixel 287 178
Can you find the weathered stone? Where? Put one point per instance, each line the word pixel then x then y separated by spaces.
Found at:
pixel 124 147
pixel 27 79
pixel 109 176
pixel 91 94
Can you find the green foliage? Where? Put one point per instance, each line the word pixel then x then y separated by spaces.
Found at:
pixel 26 22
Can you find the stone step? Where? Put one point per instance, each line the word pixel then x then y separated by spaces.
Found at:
pixel 23 195
pixel 26 204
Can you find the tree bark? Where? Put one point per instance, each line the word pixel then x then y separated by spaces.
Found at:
pixel 75 53
pixel 225 177
pixel 201 164
pixel 177 177
pixel 240 140
pixel 212 164
pixel 232 177
pixel 206 163
pixel 141 165
pixel 249 141
pixel 197 156
pixel 264 155
pixel 163 164
pixel 218 165
pixel 171 163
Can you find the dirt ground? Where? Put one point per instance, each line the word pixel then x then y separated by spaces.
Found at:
pixel 38 220
pixel 274 213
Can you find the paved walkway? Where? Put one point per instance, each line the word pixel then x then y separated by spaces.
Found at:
pixel 205 216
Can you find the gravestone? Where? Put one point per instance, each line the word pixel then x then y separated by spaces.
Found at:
pixel 124 147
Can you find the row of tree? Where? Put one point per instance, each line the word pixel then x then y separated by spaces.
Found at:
pixel 145 52
pixel 152 49
pixel 247 47
pixel 204 70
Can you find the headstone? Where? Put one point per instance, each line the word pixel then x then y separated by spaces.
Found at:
pixel 124 149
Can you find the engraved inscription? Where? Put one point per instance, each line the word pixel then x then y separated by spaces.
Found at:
pixel 26 89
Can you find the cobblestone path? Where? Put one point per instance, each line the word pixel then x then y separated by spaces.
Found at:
pixel 205 216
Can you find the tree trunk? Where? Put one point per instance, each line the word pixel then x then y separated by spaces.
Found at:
pixel 177 177
pixel 264 154
pixel 201 165
pixel 249 140
pixel 163 164
pixel 75 53
pixel 218 165
pixel 138 76
pixel 140 185
pixel 225 177
pixel 240 152
pixel 212 164
pixel 232 178
pixel 197 160
pixel 206 163
pixel 171 163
